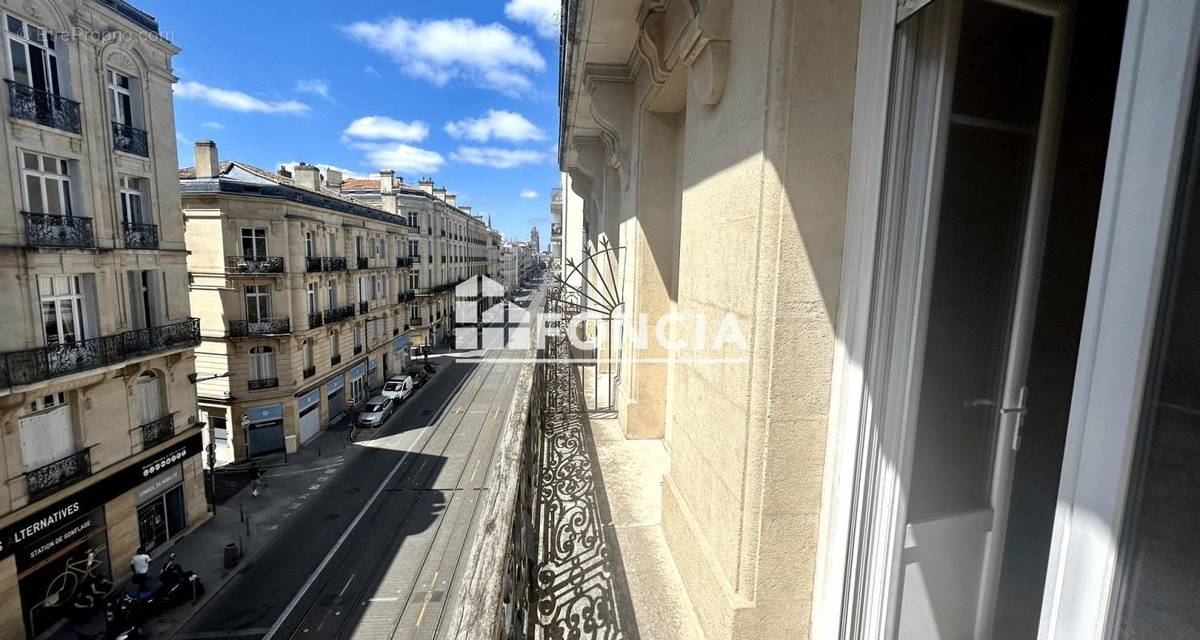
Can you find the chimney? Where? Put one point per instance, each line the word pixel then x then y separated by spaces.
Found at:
pixel 333 178
pixel 387 180
pixel 426 185
pixel 207 163
pixel 440 193
pixel 284 172
pixel 450 199
pixel 466 209
pixel 308 177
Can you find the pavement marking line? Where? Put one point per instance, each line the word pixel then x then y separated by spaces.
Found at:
pixel 384 599
pixel 421 431
pixel 331 468
pixel 428 597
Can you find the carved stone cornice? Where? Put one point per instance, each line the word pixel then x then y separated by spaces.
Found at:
pixel 695 32
pixel 611 93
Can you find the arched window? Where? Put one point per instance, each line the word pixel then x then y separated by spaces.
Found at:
pixel 262 363
pixel 152 403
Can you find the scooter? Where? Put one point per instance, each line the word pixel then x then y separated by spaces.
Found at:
pixel 121 619
pixel 176 584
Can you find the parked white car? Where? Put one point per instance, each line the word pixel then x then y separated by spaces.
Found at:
pixel 398 387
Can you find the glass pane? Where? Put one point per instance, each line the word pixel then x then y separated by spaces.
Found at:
pixel 15 26
pixel 19 63
pixel 54 203
pixel 33 193
pixel 1161 560
pixel 67 320
pixel 50 322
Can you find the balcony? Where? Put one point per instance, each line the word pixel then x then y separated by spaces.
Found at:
pixel 395 331
pixel 254 265
pixel 403 263
pixel 335 359
pixel 414 259
pixel 59 232
pixel 130 140
pixel 42 107
pixel 158 431
pixel 333 263
pixel 313 264
pixel 260 327
pixel 310 372
pixel 337 314
pixel 362 262
pixel 358 349
pixel 315 319
pixel 139 235
pixel 262 383
pixel 405 296
pixel 363 307
pixel 47 480
pixel 35 365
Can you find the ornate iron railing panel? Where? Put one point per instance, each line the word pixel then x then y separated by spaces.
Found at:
pixel 49 230
pixel 158 431
pixel 404 263
pixel 260 327
pixel 313 264
pixel 362 263
pixel 254 264
pixel 363 307
pixel 262 383
pixel 310 372
pixel 335 359
pixel 139 235
pixel 42 107
pixel 130 140
pixel 315 319
pixel 43 363
pixel 48 479
pixel 337 314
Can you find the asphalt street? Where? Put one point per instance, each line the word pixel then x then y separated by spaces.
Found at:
pixel 375 552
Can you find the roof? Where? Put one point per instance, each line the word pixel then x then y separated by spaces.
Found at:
pixel 233 176
pixel 357 183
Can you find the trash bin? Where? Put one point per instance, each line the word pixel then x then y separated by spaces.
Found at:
pixel 233 553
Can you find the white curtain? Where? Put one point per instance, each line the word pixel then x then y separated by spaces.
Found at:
pixel 46 437
pixel 150 398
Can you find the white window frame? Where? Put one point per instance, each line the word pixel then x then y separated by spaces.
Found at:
pixel 133 199
pixel 262 363
pixel 73 297
pixel 56 75
pixel 312 297
pixel 254 234
pixel 259 293
pixel 310 248
pixel 117 93
pixel 1151 110
pixel 331 292
pixel 59 181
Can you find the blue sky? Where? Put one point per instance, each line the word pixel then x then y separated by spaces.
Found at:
pixel 462 91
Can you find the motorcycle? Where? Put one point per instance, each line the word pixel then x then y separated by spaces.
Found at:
pixel 121 618
pixel 176 584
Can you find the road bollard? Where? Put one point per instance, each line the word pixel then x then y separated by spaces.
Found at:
pixel 248 527
pixel 241 513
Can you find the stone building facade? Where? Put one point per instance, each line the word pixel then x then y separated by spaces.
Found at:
pixel 100 437
pixel 303 297
pixel 952 234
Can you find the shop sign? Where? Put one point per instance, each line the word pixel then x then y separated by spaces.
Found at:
pixel 335 385
pixel 45 546
pixel 401 343
pixel 357 372
pixel 373 364
pixel 151 488
pixel 265 413
pixel 308 400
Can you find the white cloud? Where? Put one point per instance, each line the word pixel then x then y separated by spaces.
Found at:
pixel 439 51
pixel 369 70
pixel 213 125
pixel 542 15
pixel 528 193
pixel 501 124
pixel 316 87
pixel 399 156
pixel 346 173
pixel 497 158
pixel 385 128
pixel 235 100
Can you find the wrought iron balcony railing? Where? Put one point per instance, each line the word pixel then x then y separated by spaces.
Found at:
pixel 358 349
pixel 158 431
pixel 43 363
pixel 48 230
pixel 405 296
pixel 312 264
pixel 310 371
pixel 254 264
pixel 260 327
pixel 130 140
pixel 42 107
pixel 403 262
pixel 139 235
pixel 46 480
pixel 363 306
pixel 315 319
pixel 362 263
pixel 337 314
pixel 262 383
pixel 337 263
pixel 335 359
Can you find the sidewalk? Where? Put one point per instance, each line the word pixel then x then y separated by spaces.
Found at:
pixel 243 519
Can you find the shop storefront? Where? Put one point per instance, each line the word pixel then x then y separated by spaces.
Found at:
pixel 373 381
pixel 358 384
pixel 61 551
pixel 400 357
pixel 309 408
pixel 264 430
pixel 335 394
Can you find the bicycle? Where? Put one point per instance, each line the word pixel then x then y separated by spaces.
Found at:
pixel 76 574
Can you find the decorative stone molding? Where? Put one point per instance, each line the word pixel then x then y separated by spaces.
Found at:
pixel 695 32
pixel 611 93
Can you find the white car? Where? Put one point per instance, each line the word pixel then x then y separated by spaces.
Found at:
pixel 398 387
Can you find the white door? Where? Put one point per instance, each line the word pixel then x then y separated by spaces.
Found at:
pixel 975 187
pixel 310 423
